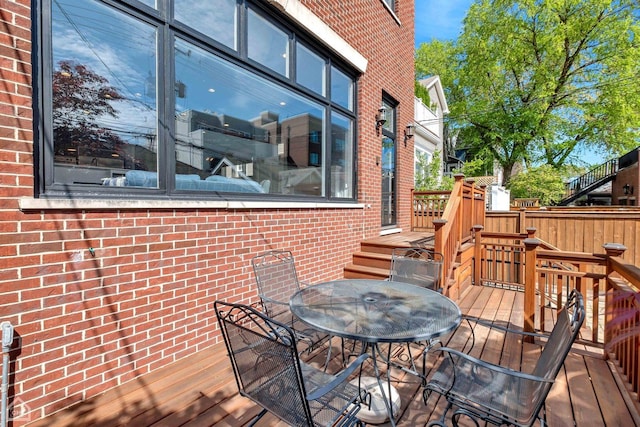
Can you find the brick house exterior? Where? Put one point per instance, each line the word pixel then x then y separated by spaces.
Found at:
pixel 101 291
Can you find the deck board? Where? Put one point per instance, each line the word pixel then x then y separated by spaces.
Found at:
pixel 200 390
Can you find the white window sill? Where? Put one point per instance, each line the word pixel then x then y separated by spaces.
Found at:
pixel 31 204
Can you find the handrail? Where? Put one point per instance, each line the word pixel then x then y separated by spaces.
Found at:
pixel 464 209
pixel 595 175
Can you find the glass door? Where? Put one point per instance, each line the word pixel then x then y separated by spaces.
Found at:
pixel 389 202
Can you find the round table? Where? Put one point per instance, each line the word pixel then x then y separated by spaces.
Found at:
pixel 376 311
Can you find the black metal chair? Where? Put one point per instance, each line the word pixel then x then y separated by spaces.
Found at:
pixel 499 395
pixel 421 267
pixel 418 266
pixel 277 281
pixel 268 371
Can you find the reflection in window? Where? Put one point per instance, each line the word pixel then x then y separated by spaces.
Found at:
pixel 342 160
pixel 104 94
pixel 217 21
pixel 310 69
pixel 230 126
pixel 341 89
pixel 267 44
pixel 238 132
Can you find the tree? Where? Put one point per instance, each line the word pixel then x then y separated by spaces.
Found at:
pixel 543 182
pixel 537 82
pixel 428 177
pixel 80 97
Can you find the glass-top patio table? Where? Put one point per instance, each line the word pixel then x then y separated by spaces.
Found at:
pixel 376 311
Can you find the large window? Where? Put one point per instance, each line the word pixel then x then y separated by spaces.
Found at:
pixel 145 104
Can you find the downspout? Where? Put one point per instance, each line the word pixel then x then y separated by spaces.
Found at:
pixel 7 340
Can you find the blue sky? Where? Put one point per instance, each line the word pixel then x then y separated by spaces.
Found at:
pixel 439 19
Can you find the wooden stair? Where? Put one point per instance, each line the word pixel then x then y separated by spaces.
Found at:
pixel 373 260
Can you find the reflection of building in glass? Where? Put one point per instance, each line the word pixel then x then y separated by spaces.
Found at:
pixel 288 153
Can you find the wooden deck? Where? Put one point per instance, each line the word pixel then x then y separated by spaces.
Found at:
pixel 201 391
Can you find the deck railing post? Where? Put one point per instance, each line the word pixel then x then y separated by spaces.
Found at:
pixel 612 250
pixel 530 279
pixel 477 254
pixel 522 219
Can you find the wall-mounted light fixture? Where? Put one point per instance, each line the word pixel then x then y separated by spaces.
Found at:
pixel 381 119
pixel 628 189
pixel 408 132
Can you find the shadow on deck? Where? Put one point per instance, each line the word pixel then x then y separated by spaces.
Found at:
pixel 200 389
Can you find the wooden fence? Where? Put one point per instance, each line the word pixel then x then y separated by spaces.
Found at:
pixel 577 229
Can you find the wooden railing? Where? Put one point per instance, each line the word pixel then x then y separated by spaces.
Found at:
pixel 610 286
pixel 427 207
pixel 595 175
pixel 528 203
pixel 465 207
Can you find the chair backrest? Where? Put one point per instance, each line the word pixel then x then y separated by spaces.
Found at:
pixel 277 280
pixel 265 362
pixel 562 337
pixel 418 266
pixel 555 351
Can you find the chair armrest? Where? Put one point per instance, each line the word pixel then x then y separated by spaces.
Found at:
pixel 339 379
pixel 271 300
pixel 495 368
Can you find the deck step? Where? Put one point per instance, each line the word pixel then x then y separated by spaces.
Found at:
pixel 372 259
pixel 354 271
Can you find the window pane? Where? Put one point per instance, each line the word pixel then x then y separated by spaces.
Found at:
pixel 104 94
pixel 267 44
pixel 310 69
pixel 390 124
pixel 237 132
pixel 342 161
pixel 341 89
pixel 216 20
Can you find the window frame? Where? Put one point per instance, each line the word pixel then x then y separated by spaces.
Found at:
pixel 167 29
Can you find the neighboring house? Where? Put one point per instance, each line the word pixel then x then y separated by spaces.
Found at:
pixel 626 184
pixel 614 182
pixel 148 154
pixel 429 122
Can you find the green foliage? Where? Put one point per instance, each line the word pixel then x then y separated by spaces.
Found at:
pixel 539 82
pixel 544 182
pixel 427 174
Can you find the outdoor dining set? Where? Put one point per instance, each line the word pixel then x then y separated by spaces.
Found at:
pixel 372 320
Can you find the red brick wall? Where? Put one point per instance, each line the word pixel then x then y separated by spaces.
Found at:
pixel 87 322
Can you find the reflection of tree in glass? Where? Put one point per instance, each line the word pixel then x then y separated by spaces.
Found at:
pixel 80 96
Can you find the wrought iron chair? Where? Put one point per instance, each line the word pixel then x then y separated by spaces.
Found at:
pixel 268 371
pixel 421 267
pixel 418 266
pixel 498 395
pixel 277 281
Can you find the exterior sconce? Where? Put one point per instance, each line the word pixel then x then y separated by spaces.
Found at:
pixel 408 132
pixel 381 119
pixel 628 189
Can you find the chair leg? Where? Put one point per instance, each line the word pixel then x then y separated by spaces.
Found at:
pixel 441 421
pixel 257 418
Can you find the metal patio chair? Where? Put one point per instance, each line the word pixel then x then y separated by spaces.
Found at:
pixel 418 266
pixel 421 267
pixel 277 281
pixel 499 395
pixel 268 371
